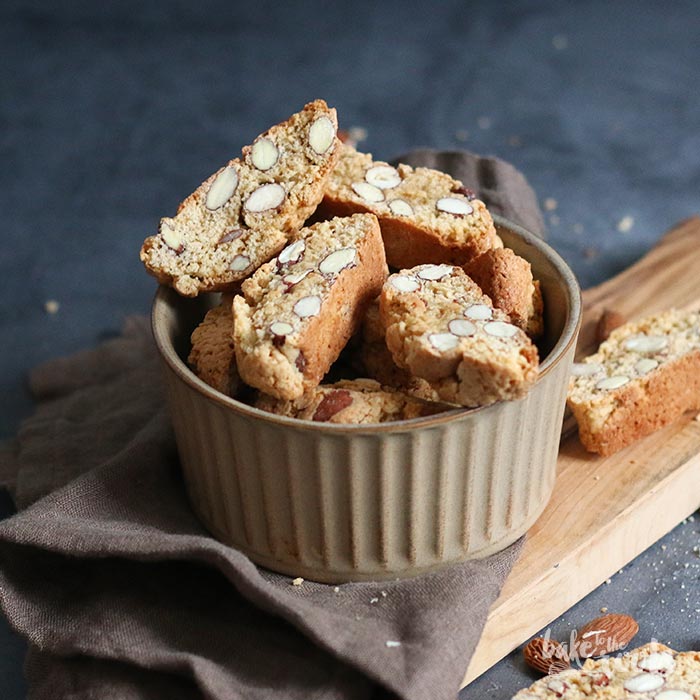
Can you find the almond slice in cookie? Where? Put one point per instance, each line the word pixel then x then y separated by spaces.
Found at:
pixel 645 375
pixel 321 291
pixel 253 206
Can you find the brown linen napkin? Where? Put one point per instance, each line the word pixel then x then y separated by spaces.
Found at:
pixel 123 594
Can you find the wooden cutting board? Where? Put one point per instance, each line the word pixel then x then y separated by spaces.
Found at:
pixel 605 511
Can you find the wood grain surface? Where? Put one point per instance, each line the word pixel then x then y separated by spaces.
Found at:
pixel 605 511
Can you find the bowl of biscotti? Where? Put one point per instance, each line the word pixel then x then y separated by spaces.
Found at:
pixel 366 370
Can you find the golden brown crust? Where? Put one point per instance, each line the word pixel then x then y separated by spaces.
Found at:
pixel 427 235
pixel 285 367
pixel 218 237
pixel 506 279
pixel 211 357
pixel 642 378
pixel 643 409
pixel 375 360
pixel 441 327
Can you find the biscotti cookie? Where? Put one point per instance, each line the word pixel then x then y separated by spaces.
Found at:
pixel 506 279
pixel 426 216
pixel 652 671
pixel 211 357
pixel 300 309
pixel 376 362
pixel 443 328
pixel 644 376
pixel 246 211
pixel 350 401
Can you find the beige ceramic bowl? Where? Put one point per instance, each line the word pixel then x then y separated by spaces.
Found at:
pixel 340 503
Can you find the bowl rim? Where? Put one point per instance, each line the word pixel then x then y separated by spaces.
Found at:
pixel 565 340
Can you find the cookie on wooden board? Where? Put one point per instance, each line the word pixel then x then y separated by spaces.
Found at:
pixel 643 377
pixel 443 328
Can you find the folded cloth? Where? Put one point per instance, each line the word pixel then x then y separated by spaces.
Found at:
pixel 122 593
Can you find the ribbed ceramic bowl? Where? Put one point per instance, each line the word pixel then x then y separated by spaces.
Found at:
pixel 360 502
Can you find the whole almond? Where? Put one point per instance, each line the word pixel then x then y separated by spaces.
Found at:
pixel 332 403
pixel 605 635
pixel 609 320
pixel 546 655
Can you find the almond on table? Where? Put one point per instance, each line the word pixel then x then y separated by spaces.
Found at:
pixel 605 635
pixel 300 309
pixel 643 377
pixel 443 328
pixel 426 216
pixel 546 655
pixel 247 211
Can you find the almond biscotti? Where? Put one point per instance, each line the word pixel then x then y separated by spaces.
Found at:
pixel 652 671
pixel 376 361
pixel 426 216
pixel 443 328
pixel 644 376
pixel 211 357
pixel 247 211
pixel 300 309
pixel 351 401
pixel 506 279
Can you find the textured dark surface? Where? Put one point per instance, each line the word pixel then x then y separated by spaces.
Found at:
pixel 112 112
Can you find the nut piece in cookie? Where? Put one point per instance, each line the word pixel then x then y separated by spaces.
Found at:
pixel 350 401
pixel 299 310
pixel 443 328
pixel 643 377
pixel 506 279
pixel 211 357
pixel 426 216
pixel 247 211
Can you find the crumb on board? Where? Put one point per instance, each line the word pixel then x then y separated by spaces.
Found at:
pixel 550 204
pixel 484 122
pixel 336 589
pixel 51 306
pixel 625 224
pixel 357 134
pixel 560 42
pixel 392 643
pixel 297 581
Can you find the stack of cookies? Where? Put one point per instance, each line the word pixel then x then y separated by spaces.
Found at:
pixel 320 253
